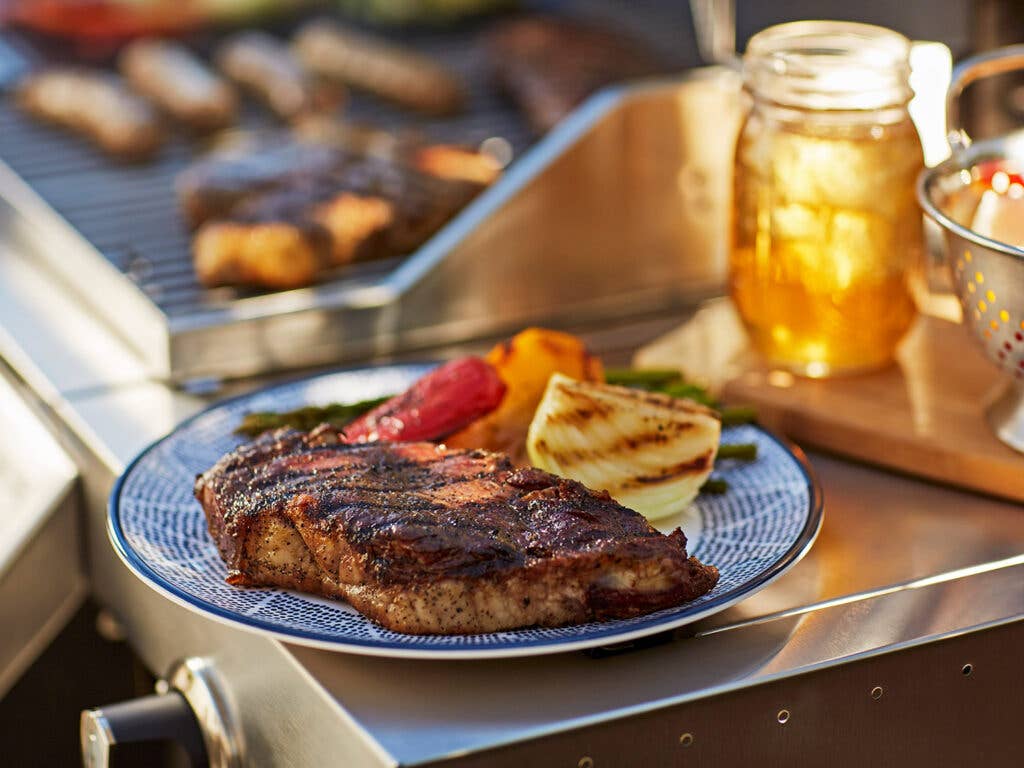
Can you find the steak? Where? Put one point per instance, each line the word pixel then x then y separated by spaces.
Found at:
pixel 428 540
pixel 550 65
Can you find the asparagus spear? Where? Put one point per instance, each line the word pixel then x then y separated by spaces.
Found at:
pixel 714 485
pixel 642 378
pixel 737 414
pixel 742 451
pixel 673 383
pixel 336 414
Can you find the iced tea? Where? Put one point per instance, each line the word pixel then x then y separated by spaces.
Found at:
pixel 826 229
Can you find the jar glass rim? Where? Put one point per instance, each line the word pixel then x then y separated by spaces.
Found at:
pixel 830 65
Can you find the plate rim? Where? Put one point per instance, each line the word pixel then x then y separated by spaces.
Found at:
pixel 138 566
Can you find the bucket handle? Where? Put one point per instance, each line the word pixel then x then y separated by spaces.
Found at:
pixel 968 71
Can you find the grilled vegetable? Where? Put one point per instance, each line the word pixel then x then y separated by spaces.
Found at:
pixel 525 363
pixel 715 486
pixel 170 76
pixel 643 378
pixel 338 415
pixel 446 399
pixel 97 105
pixel 650 451
pixel 737 414
pixel 739 451
pixel 386 70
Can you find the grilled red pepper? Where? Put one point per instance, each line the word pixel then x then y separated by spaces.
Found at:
pixel 442 402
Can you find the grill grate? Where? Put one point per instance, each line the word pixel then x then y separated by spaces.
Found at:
pixel 130 214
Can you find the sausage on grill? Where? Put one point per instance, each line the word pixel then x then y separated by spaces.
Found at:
pixel 393 73
pixel 97 105
pixel 170 76
pixel 264 66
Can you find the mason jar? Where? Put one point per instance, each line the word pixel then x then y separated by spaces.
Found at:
pixel 826 230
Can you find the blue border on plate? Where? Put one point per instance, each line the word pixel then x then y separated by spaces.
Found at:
pixel 117 539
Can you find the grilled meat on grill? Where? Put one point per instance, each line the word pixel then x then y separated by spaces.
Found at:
pixel 211 187
pixel 318 217
pixel 428 540
pixel 288 237
pixel 384 69
pixel 548 65
pixel 262 64
pixel 170 76
pixel 96 104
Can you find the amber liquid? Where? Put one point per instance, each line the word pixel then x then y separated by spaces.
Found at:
pixel 826 241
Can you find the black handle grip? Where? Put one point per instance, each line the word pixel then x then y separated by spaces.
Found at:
pixel 166 717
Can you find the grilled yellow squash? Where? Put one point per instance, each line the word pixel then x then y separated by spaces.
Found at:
pixel 651 452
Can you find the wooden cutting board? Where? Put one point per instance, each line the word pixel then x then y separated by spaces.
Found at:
pixel 925 415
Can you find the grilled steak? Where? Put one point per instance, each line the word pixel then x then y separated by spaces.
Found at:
pixel 213 186
pixel 550 65
pixel 428 540
pixel 283 218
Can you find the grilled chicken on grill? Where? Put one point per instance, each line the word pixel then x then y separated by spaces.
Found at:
pixel 96 104
pixel 428 540
pixel 170 76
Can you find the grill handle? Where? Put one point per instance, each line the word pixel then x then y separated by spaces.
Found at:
pixel 189 707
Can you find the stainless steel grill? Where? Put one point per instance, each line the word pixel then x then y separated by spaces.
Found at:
pixel 83 214
pixel 130 215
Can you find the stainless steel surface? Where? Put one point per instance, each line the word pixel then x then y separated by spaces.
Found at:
pixel 901 567
pixel 198 681
pixel 899 563
pixel 96 738
pixel 988 275
pixel 1006 415
pixel 41 580
pixel 110 233
pixel 930 714
pixel 969 71
pixel 714 23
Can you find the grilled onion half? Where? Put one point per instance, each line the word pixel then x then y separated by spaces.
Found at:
pixel 650 451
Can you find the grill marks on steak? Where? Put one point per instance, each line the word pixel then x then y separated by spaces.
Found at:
pixel 423 539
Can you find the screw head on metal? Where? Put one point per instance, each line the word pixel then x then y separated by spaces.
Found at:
pixel 686 739
pixel 783 716
pixel 876 692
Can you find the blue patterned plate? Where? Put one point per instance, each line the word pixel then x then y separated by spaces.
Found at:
pixel 754 533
